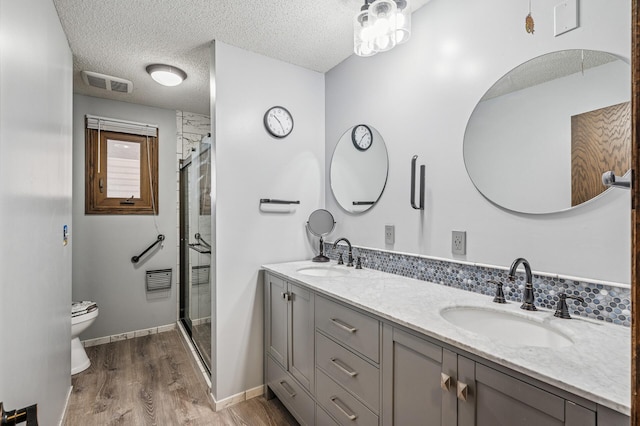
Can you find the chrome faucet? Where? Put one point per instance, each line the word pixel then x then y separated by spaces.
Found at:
pixel 350 259
pixel 527 295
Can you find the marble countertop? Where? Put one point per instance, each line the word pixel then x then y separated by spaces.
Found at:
pixel 597 366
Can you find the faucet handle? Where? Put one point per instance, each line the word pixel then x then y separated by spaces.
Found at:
pixel 359 263
pixel 340 261
pixel 499 298
pixel 562 309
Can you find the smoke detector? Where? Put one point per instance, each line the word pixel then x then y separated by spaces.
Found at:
pixel 107 82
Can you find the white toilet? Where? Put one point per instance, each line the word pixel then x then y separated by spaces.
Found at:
pixel 83 314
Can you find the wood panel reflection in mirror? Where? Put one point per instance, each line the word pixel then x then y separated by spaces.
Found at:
pixel 547 123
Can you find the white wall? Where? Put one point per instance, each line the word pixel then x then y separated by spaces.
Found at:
pixel 250 165
pixel 420 95
pixel 35 203
pixel 104 244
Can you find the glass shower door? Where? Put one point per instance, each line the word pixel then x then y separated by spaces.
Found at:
pixel 196 248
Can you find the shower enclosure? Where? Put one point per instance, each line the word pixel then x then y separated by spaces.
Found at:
pixel 196 247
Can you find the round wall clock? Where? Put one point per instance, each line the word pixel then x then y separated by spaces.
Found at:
pixel 278 121
pixel 361 137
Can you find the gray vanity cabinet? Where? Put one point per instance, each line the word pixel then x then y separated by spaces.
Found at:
pixel 427 384
pixel 334 364
pixel 289 345
pixel 414 374
pixel 502 400
pixel 347 364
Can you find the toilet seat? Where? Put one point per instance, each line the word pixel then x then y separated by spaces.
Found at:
pixel 83 311
pixel 82 307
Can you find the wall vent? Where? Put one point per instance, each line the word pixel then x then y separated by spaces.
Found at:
pixel 107 82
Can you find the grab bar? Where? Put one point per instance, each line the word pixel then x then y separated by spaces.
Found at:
pixel 135 259
pixel 274 201
pixel 413 184
pixel 199 238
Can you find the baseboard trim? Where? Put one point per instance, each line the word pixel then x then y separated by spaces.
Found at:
pixel 63 418
pixel 255 392
pixel 237 398
pixel 128 335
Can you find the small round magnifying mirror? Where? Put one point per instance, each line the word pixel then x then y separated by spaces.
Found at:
pixel 321 223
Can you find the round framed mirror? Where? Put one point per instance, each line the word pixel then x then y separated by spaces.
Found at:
pixel 359 168
pixel 321 223
pixel 542 136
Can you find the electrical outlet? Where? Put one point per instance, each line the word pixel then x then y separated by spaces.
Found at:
pixel 389 234
pixel 459 242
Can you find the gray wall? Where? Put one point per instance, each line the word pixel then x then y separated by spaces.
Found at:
pixel 104 244
pixel 250 165
pixel 420 95
pixel 35 203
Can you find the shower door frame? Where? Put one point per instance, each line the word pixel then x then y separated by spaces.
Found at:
pixel 184 247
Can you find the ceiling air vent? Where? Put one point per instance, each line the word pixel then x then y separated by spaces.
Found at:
pixel 107 82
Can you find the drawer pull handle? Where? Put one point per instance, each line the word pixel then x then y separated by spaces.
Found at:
pixel 462 391
pixel 287 388
pixel 286 296
pixel 445 382
pixel 343 325
pixel 335 401
pixel 344 368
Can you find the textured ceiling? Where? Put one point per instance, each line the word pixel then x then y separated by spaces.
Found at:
pixel 121 37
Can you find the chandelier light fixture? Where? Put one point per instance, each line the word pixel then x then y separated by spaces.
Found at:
pixel 380 26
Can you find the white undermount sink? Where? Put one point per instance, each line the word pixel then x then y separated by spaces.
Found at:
pixel 507 327
pixel 323 271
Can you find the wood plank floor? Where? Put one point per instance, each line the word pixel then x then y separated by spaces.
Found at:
pixel 153 380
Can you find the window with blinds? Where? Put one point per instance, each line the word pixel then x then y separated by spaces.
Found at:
pixel 121 167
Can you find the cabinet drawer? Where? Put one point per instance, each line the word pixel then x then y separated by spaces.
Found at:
pixel 345 408
pixel 323 419
pixel 290 393
pixel 358 331
pixel 348 369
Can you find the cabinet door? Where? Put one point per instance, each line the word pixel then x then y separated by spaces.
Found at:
pixel 502 400
pixel 276 327
pixel 413 370
pixel 301 336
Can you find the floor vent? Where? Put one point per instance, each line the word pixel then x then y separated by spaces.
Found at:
pixel 107 82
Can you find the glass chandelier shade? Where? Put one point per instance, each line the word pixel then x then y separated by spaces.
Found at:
pixel 380 25
pixel 403 21
pixel 362 35
pixel 382 21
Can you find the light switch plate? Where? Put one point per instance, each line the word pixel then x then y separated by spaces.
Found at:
pixel 565 17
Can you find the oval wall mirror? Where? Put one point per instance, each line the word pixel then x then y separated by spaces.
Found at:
pixel 359 168
pixel 542 136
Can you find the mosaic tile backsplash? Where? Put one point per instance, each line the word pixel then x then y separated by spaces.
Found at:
pixel 602 302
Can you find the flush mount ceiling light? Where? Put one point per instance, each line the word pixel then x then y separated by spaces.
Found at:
pixel 166 74
pixel 380 26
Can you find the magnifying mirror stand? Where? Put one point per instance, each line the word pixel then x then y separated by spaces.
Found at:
pixel 321 257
